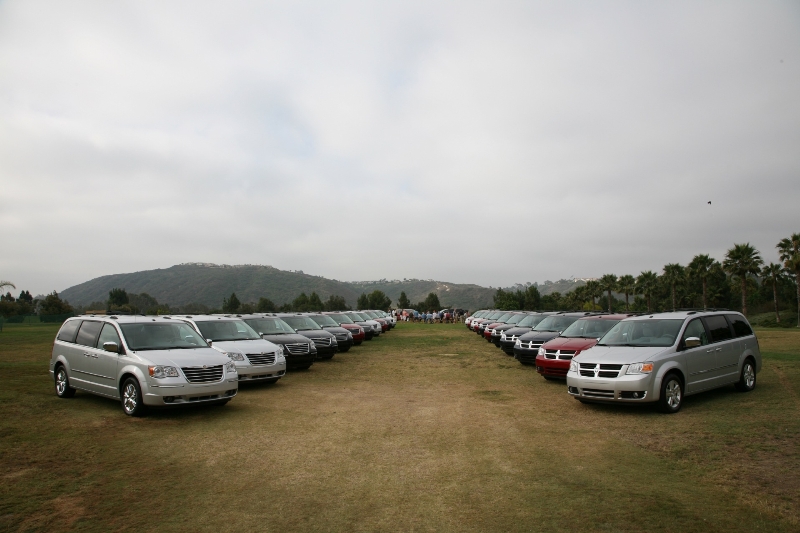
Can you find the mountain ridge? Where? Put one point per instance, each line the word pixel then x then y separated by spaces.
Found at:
pixel 209 283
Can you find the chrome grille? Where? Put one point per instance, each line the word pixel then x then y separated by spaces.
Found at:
pixel 198 374
pixel 341 337
pixel 564 355
pixel 298 348
pixel 598 393
pixel 266 358
pixel 325 341
pixel 592 370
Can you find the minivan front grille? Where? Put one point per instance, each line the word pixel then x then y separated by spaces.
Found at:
pixel 297 348
pixel 198 374
pixel 598 393
pixel 261 358
pixel 325 341
pixel 564 355
pixel 341 336
pixel 592 370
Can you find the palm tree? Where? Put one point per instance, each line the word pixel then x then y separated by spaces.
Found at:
pixel 4 284
pixel 789 250
pixel 700 267
pixel 774 272
pixel 674 274
pixel 646 283
pixel 593 290
pixel 608 283
pixel 740 261
pixel 626 285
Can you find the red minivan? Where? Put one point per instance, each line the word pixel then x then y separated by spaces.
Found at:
pixel 554 356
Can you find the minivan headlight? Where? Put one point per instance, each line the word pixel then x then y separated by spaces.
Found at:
pixel 163 371
pixel 540 352
pixel 640 368
pixel 279 351
pixel 235 356
pixel 518 343
pixel 230 367
pixel 573 366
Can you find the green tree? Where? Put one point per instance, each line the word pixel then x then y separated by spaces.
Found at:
pixel 5 284
pixel 403 302
pixel 608 283
pixel 740 261
pixel 301 303
pixel 646 283
pixel 532 299
pixel 117 298
pixel 789 251
pixel 674 275
pixel 53 305
pixel 594 290
pixel 231 305
pixel 774 273
pixel 265 305
pixel 336 303
pixel 379 300
pixel 315 302
pixel 363 301
pixel 506 300
pixel 700 268
pixel 552 301
pixel 626 285
pixel 432 302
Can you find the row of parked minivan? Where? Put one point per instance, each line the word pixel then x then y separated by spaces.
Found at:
pixel 160 361
pixel 629 358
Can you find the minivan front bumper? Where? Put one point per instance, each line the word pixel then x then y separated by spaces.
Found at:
pixel 627 388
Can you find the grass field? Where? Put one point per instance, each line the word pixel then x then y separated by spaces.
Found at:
pixel 428 428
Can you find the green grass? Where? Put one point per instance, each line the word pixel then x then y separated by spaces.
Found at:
pixel 428 428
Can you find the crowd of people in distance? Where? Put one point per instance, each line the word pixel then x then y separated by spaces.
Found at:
pixel 430 316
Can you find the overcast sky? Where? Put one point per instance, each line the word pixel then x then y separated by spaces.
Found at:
pixel 475 142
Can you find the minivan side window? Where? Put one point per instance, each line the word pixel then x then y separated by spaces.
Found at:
pixel 87 335
pixel 695 329
pixel 719 328
pixel 740 326
pixel 68 331
pixel 109 334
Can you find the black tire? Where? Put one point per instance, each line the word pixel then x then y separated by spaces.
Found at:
pixel 747 379
pixel 131 398
pixel 63 390
pixel 671 398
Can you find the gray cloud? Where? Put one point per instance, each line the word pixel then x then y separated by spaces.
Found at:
pixel 473 142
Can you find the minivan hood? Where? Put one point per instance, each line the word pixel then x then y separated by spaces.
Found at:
pixel 517 331
pixel 249 346
pixel 184 358
pixel 315 333
pixel 538 336
pixel 620 354
pixel 286 338
pixel 564 343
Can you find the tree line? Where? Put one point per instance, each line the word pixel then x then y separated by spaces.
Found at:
pixel 740 281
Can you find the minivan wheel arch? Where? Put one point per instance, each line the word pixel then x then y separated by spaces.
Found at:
pixel 666 371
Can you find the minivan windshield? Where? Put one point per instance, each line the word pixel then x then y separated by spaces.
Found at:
pixel 301 323
pixel 358 318
pixel 341 318
pixel 325 321
pixel 226 330
pixel 650 332
pixel 529 321
pixel 589 328
pixel 555 323
pixel 269 326
pixel 161 336
pixel 516 319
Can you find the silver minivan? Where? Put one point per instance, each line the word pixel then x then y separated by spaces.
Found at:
pixel 664 357
pixel 141 361
pixel 256 359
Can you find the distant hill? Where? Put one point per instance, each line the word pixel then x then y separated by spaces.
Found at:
pixel 208 284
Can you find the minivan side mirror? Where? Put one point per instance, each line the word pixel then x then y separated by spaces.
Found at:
pixel 111 347
pixel 209 341
pixel 692 342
